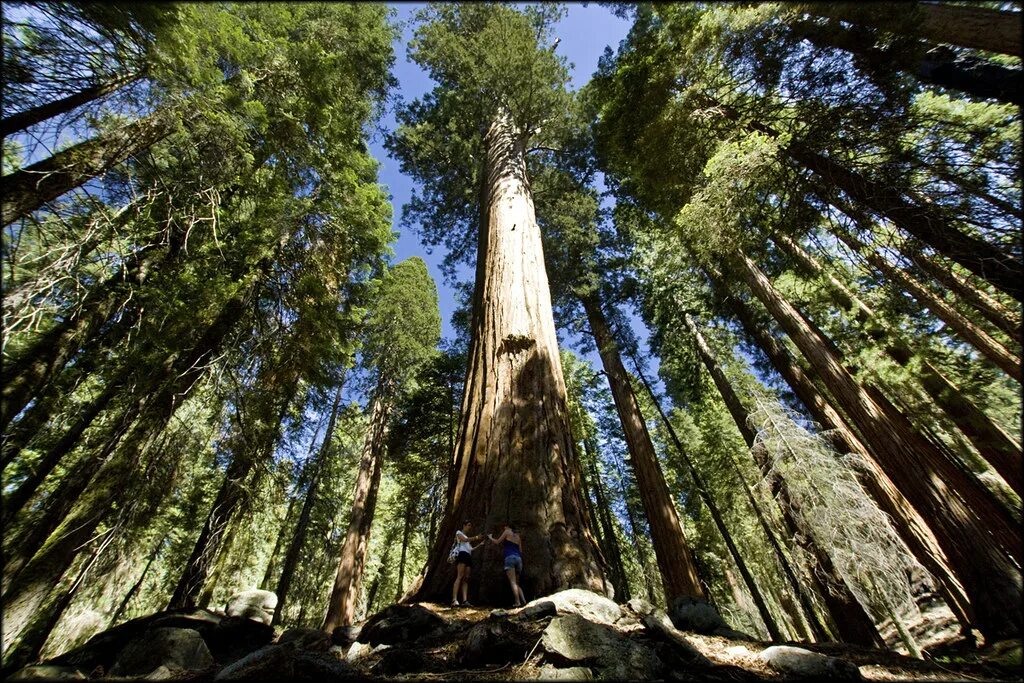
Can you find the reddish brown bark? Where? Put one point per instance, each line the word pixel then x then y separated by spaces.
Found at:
pixel 675 559
pixel 973 529
pixel 514 458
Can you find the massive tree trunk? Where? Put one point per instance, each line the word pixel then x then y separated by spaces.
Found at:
pixel 969 26
pixel 514 459
pixel 291 558
pixel 675 559
pixel 924 222
pixel 341 610
pixel 716 516
pixel 968 523
pixel 48 110
pixel 26 374
pixel 966 329
pixel 995 445
pixel 909 524
pixel 939 65
pixel 27 189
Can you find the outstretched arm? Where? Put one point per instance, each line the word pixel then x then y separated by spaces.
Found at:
pixel 499 539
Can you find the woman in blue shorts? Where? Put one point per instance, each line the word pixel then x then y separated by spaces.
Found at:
pixel 513 551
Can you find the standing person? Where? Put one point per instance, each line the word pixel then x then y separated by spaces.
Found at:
pixel 513 550
pixel 463 563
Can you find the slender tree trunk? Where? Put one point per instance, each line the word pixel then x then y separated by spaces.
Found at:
pixel 1001 451
pixel 55 453
pixel 36 416
pixel 29 588
pixel 716 516
pixel 971 26
pixel 48 110
pixel 272 404
pixel 675 559
pixel 1006 320
pixel 341 610
pixel 406 538
pixel 966 329
pixel 27 189
pixel 25 375
pixel 924 222
pixel 291 558
pixel 641 554
pixel 134 590
pixel 939 65
pixel 371 594
pixel 515 454
pixel 739 416
pixel 970 529
pixel 910 525
pixel 610 547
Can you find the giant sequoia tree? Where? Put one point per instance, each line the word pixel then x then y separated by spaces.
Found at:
pixel 500 87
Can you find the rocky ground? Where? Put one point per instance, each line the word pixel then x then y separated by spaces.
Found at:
pixel 572 635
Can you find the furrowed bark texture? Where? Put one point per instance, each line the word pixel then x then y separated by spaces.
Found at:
pixel 675 560
pixel 974 531
pixel 341 611
pixel 994 444
pixel 964 328
pixel 815 628
pixel 514 459
pixel 912 528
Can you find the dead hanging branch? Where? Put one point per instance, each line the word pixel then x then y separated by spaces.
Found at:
pixel 858 536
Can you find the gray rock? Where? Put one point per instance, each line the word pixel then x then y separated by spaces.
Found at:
pixel 235 637
pixel 252 604
pixel 400 624
pixel 584 603
pixel 312 639
pixel 693 614
pixel 572 673
pixel 572 639
pixel 682 649
pixel 358 651
pixel 641 607
pixel 287 662
pixel 345 635
pixel 538 609
pixel 177 649
pixel 806 664
pixel 47 672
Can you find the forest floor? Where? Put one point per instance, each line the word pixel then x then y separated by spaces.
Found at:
pixel 572 635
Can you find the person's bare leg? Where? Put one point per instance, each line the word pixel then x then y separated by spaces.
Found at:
pixel 519 589
pixel 465 585
pixel 458 580
pixel 511 574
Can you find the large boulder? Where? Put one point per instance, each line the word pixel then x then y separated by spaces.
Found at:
pixel 236 637
pixel 696 615
pixel 252 604
pixel 176 649
pixel 103 648
pixel 400 624
pixel 496 641
pixel 311 639
pixel 802 663
pixel 48 672
pixel 571 673
pixel 573 640
pixel 589 605
pixel 287 663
